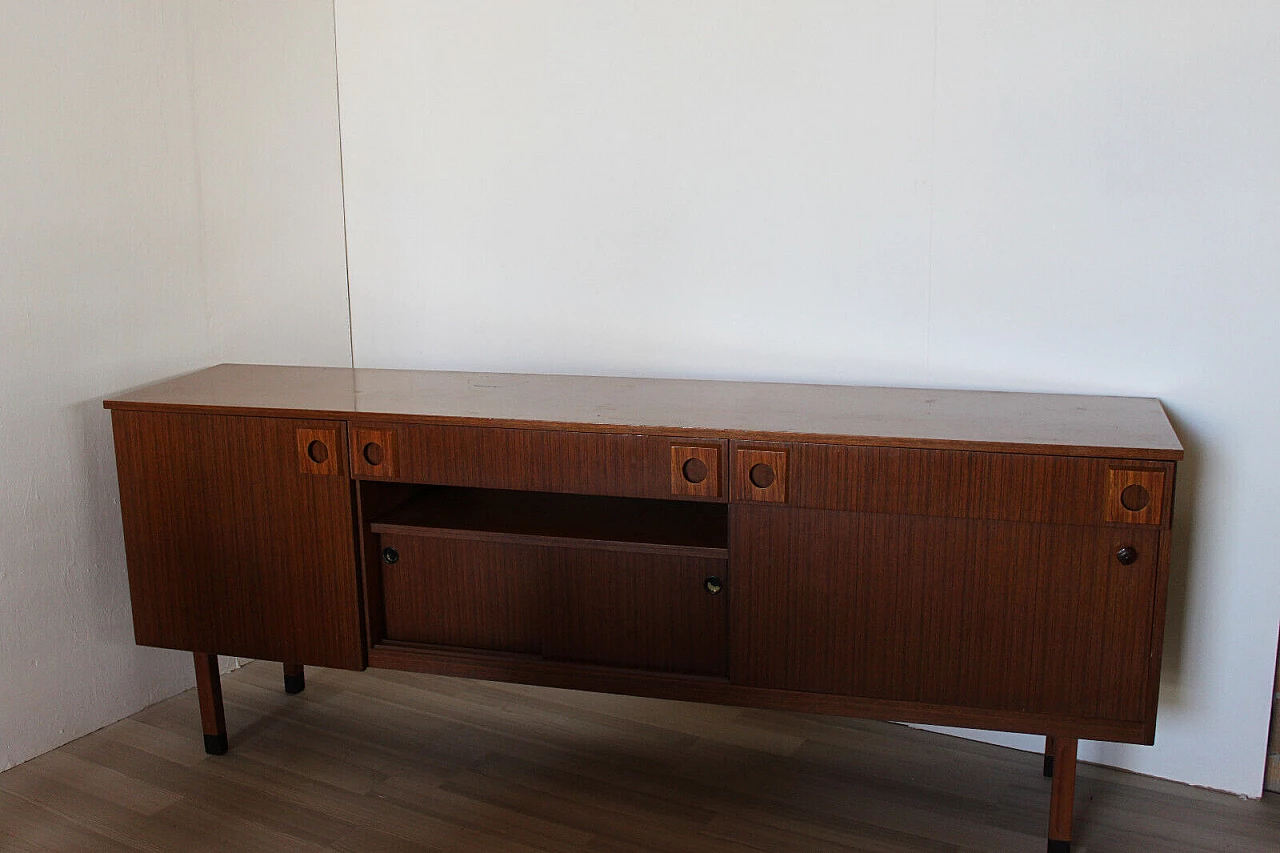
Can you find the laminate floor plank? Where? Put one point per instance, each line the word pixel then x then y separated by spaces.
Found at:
pixel 172 746
pixel 466 811
pixel 388 762
pixel 64 767
pixel 91 813
pixel 246 797
pixel 602 817
pixel 26 826
pixel 200 825
pixel 721 723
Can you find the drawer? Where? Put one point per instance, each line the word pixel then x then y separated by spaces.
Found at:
pixel 647 466
pixel 953 483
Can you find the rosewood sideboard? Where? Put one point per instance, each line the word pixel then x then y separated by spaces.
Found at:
pixel 980 559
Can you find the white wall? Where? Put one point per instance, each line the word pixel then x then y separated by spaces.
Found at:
pixel 1054 196
pixel 101 290
pixel 274 259
pixel 1051 196
pixel 136 242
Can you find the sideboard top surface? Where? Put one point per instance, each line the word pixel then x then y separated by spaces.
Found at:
pixel 1060 424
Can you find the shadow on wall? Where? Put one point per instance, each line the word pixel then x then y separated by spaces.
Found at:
pixel 1272 780
pixel 1184 532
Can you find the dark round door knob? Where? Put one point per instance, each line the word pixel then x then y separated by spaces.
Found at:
pixel 1127 556
pixel 374 454
pixel 390 555
pixel 318 452
pixel 713 584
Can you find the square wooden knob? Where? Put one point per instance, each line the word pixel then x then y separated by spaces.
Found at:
pixel 318 451
pixel 373 453
pixel 760 475
pixel 1135 496
pixel 695 471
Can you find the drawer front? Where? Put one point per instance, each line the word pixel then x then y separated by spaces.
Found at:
pixel 642 466
pixel 957 484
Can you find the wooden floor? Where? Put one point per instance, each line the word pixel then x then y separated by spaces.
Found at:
pixel 386 761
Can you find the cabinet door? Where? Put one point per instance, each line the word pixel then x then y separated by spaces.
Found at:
pixel 462 592
pixel 587 605
pixel 645 611
pixel 239 536
pixel 962 612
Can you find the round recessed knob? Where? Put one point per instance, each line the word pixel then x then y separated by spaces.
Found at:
pixel 390 556
pixel 1135 498
pixel 373 453
pixel 1127 556
pixel 713 584
pixel 694 470
pixel 318 452
pixel 761 475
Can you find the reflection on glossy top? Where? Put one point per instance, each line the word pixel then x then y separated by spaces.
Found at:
pixel 904 417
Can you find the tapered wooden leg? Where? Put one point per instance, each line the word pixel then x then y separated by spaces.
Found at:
pixel 1062 798
pixel 1048 756
pixel 295 681
pixel 209 691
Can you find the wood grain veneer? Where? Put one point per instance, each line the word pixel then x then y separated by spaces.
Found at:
pixel 374 453
pixel 532 460
pixel 640 610
pixel 759 473
pixel 525 669
pixel 213 718
pixel 1063 793
pixel 1137 495
pixel 571 521
pixel 1057 424
pixel 471 594
pixel 318 452
pixel 1008 617
pixel 978 559
pixel 974 484
pixel 212 567
pixel 374 501
pixel 644 611
pixel 696 470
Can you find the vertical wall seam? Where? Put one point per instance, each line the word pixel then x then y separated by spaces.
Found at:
pixel 342 183
pixel 202 261
pixel 933 176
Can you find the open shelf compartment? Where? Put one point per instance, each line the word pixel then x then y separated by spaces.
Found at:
pixel 636 525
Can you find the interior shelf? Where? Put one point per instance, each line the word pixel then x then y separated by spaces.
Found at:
pixel 637 525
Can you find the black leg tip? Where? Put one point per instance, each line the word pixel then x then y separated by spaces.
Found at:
pixel 1048 768
pixel 1056 846
pixel 215 744
pixel 295 683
